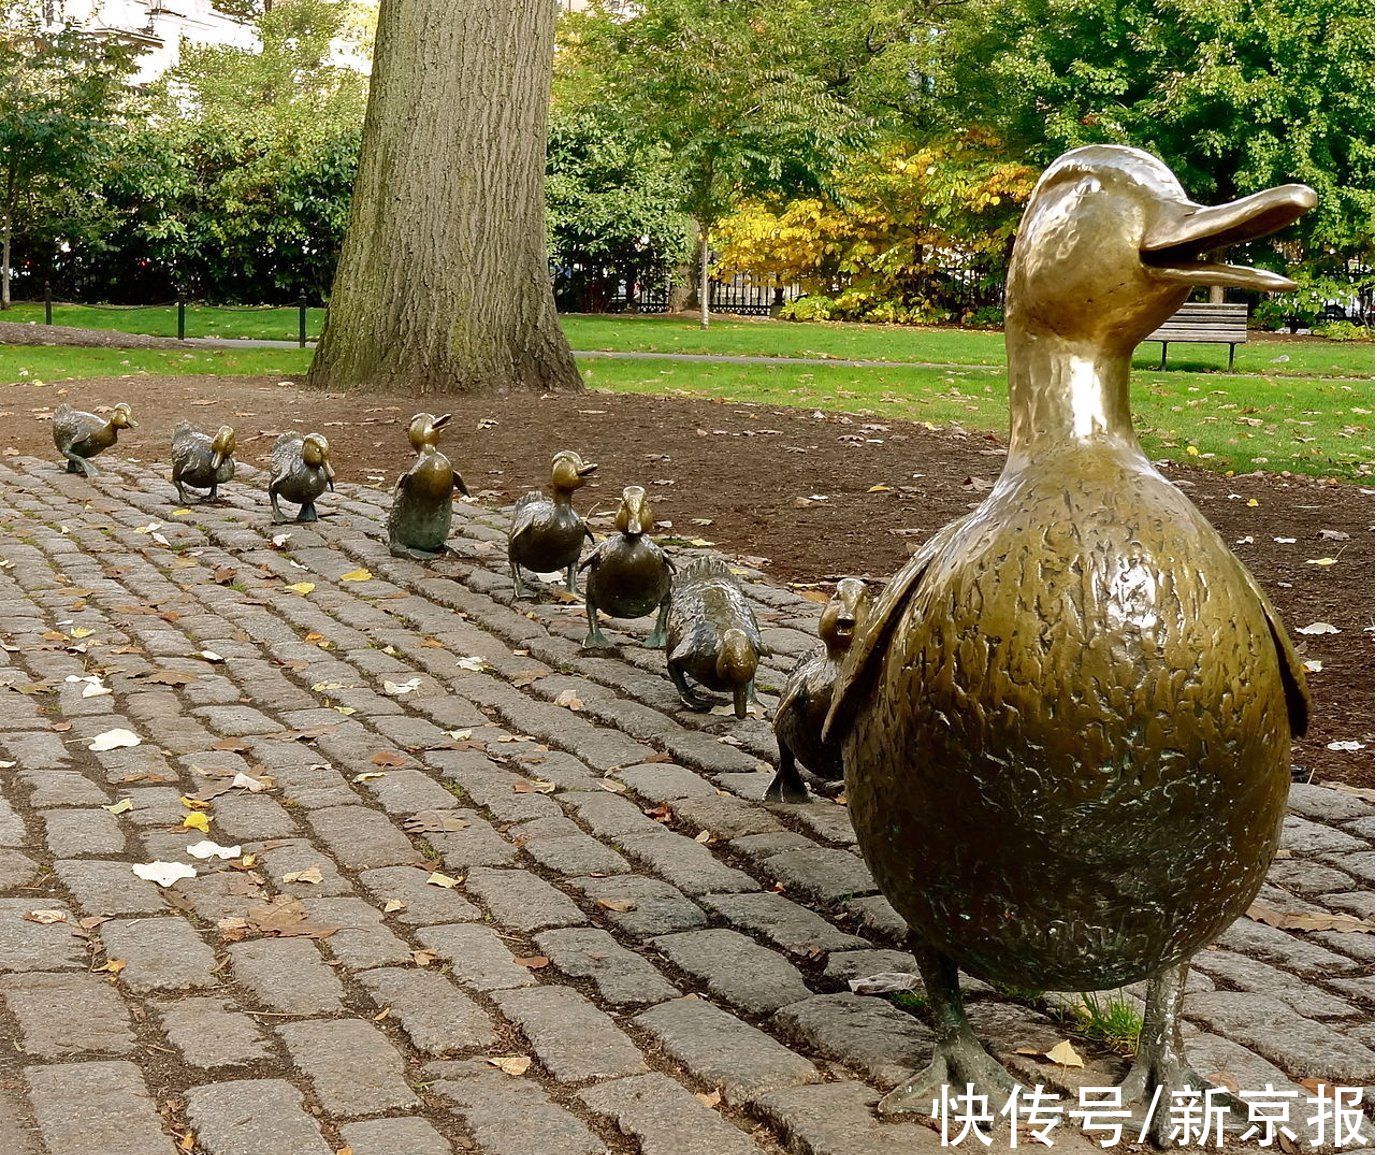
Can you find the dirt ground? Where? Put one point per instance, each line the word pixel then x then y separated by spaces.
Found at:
pixel 789 486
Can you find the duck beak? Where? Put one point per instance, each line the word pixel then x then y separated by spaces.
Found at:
pixel 1174 244
pixel 216 458
pixel 587 468
pixel 441 421
pixel 131 423
pixel 739 700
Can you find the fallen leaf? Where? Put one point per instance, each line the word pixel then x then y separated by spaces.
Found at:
pixel 302 588
pixel 472 662
pixel 533 786
pixel 123 806
pixel 569 700
pixel 163 873
pixel 209 656
pixel 532 962
pixel 393 905
pixel 208 849
pixel 512 1064
pixel 357 575
pixel 1347 746
pixel 880 489
pixel 620 905
pixel 44 917
pixel 114 740
pixel 1322 561
pixel 434 822
pixel 1064 1055
pixel 388 758
pixel 444 880
pixel 196 821
pixel 1316 628
pixel 885 983
pixel 370 775
pixel 423 958
pixel 311 874
pixel 112 966
pixel 612 786
pixel 708 1098
pixel 1307 920
pixel 397 689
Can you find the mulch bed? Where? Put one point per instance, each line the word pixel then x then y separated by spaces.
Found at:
pixel 32 333
pixel 787 485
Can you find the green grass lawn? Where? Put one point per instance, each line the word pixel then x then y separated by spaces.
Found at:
pixel 1223 421
pixel 749 338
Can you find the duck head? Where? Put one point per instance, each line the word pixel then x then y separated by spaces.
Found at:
pixel 844 614
pixel 736 663
pixel 1109 247
pixel 568 471
pixel 424 429
pixel 633 516
pixel 120 419
pixel 221 446
pixel 315 452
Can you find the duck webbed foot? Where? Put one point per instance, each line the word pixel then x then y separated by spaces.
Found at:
pixel 308 512
pixel 958 1058
pixel 656 640
pixel 595 639
pixel 691 699
pixel 396 549
pixel 80 465
pixel 1160 1069
pixel 788 785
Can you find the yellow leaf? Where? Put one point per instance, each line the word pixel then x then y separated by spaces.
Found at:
pixel 113 966
pixel 247 861
pixel 1192 451
pixel 369 776
pixel 181 513
pixel 302 588
pixel 1064 1055
pixel 512 1064
pixel 1252 502
pixel 393 904
pixel 438 879
pixel 1322 561
pixel 188 1142
pixel 196 821
pixel 357 575
pixel 194 803
pixel 880 489
pixel 81 632
pixel 120 807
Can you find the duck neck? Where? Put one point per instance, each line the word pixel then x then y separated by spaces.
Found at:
pixel 561 496
pixel 1065 392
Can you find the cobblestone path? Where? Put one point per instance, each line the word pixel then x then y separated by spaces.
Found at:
pixel 639 955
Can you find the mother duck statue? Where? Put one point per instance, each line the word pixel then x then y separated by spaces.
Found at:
pixel 1067 721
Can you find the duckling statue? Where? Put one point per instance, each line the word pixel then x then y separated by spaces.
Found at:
pixel 712 635
pixel 547 534
pixel 1067 721
pixel 807 697
pixel 200 460
pixel 628 574
pixel 80 436
pixel 422 511
pixel 301 472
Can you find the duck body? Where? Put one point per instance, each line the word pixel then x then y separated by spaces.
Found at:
pixel 1066 724
pixel 1074 796
pixel 79 436
pixel 422 513
pixel 301 472
pixel 547 533
pixel 628 574
pixel 712 635
pixel 201 461
pixel 807 698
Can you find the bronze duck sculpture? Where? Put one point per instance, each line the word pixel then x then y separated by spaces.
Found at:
pixel 301 472
pixel 807 697
pixel 1067 721
pixel 422 510
pixel 628 574
pixel 547 533
pixel 712 636
pixel 200 460
pixel 79 436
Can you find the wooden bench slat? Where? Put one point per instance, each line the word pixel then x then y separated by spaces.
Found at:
pixel 1204 323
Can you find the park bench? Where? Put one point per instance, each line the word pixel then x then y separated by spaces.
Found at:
pixel 1204 324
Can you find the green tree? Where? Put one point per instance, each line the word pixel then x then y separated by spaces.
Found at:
pixel 1234 95
pixel 65 101
pixel 733 93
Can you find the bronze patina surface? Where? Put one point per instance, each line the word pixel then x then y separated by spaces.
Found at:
pixel 201 461
pixel 712 635
pixel 301 472
pixel 547 533
pixel 1067 722
pixel 807 697
pixel 628 574
pixel 79 436
pixel 422 510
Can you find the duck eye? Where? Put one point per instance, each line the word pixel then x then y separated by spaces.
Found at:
pixel 1087 186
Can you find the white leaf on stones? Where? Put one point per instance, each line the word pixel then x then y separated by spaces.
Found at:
pixel 114 740
pixel 208 849
pixel 1346 747
pixel 473 663
pixel 163 873
pixel 1316 628
pixel 209 656
pixel 1313 666
pixel 93 688
pixel 886 982
pixel 397 689
pixel 247 782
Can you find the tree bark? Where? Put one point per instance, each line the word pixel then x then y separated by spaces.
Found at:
pixel 443 282
pixel 11 202
pixel 704 298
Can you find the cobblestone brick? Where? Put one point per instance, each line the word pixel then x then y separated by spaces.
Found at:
pixel 437 1017
pixel 560 846
pixel 115 1115
pixel 159 954
pixel 520 900
pixel 79 833
pixel 210 1033
pixel 29 946
pixel 621 977
pixel 477 955
pixel 641 906
pixel 837 1119
pixel 252 1117
pixel 423 904
pixel 405 1136
pixel 66 1014
pixel 572 1039
pixel 876 1039
pixel 687 864
pixel 788 925
pixel 735 969
pixel 722 1052
pixel 826 876
pixel 108 888
pixel 287 975
pixel 665 1119
pixel 510 1116
pixel 361 839
pixel 352 1067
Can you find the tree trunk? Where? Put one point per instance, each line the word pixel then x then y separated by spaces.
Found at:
pixel 7 229
pixel 443 281
pixel 704 299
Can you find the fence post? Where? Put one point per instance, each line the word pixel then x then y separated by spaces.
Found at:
pixel 181 319
pixel 301 322
pixel 47 302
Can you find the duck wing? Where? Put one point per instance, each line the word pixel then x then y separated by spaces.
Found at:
pixel 858 673
pixel 797 689
pixel 527 511
pixel 1292 669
